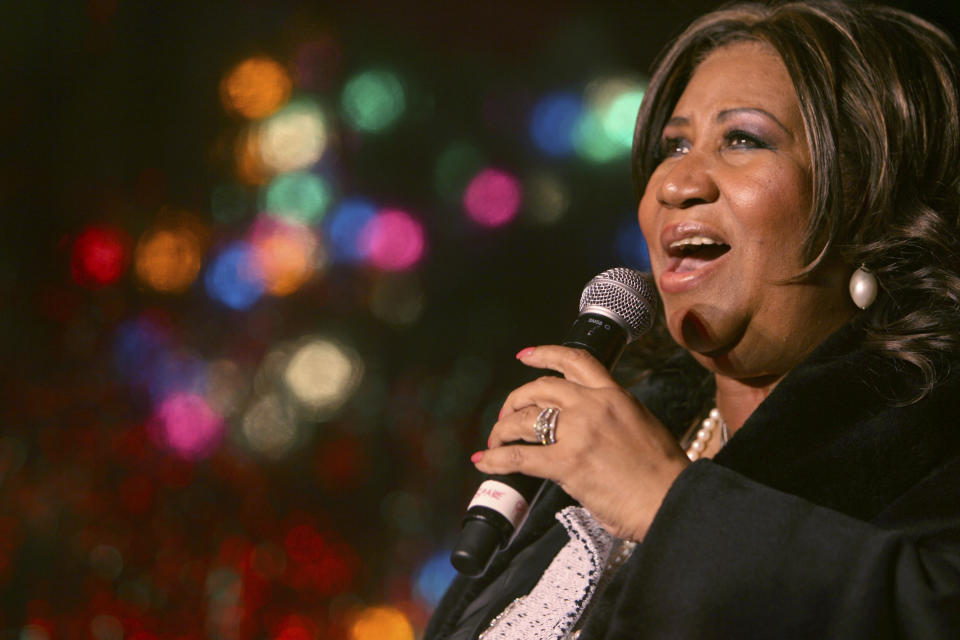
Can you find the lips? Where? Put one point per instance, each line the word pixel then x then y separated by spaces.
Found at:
pixel 692 248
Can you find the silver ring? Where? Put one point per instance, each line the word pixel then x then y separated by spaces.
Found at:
pixel 545 428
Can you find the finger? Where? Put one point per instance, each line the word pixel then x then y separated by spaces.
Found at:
pixel 515 426
pixel 527 459
pixel 546 391
pixel 576 365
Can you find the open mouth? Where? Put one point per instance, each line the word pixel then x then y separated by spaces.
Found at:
pixel 692 252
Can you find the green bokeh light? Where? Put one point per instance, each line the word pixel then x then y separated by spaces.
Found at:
pixel 456 165
pixel 592 142
pixel 605 131
pixel 373 100
pixel 298 195
pixel 621 117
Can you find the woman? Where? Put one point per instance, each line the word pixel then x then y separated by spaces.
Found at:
pixel 788 158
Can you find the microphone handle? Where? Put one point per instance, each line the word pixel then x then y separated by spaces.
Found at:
pixel 502 502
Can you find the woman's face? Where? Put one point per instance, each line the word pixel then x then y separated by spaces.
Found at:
pixel 724 216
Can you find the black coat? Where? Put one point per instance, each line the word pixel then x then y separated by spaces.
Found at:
pixel 830 514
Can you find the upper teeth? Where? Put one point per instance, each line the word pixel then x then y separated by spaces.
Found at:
pixel 693 241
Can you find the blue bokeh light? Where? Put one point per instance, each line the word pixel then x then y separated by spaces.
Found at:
pixel 345 226
pixel 631 246
pixel 553 123
pixel 138 346
pixel 234 277
pixel 433 578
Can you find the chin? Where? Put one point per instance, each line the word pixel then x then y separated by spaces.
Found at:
pixel 703 330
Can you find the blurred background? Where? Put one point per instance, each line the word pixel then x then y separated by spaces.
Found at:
pixel 265 266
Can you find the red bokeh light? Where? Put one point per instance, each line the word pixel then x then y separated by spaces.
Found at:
pixel 100 256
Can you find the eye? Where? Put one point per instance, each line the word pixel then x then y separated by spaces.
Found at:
pixel 738 139
pixel 670 147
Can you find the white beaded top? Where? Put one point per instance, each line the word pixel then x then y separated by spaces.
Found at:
pixel 552 609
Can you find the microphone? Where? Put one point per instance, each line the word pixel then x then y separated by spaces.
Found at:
pixel 616 308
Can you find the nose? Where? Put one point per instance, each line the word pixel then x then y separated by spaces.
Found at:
pixel 688 182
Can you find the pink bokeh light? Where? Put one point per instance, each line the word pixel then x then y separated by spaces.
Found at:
pixel 393 240
pixel 492 198
pixel 186 424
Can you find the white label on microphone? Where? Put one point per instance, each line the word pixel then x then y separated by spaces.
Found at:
pixel 502 498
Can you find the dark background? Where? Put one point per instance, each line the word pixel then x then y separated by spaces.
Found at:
pixel 110 114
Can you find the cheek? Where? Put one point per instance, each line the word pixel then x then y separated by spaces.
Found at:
pixel 773 221
pixel 646 217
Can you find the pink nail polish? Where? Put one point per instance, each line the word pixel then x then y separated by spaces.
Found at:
pixel 524 353
pixel 475 458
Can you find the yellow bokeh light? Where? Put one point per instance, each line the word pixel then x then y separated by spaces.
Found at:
pixel 256 87
pixel 268 428
pixel 293 138
pixel 381 623
pixel 322 374
pixel 168 256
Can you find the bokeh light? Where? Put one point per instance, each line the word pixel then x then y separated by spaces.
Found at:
pixel 34 631
pixel 299 196
pixel 226 386
pixel 381 623
pixel 631 246
pixel 268 427
pixel 106 627
pixel 553 123
pixel 293 138
pixel 175 370
pixel 285 254
pixel 492 198
pixel 106 561
pixel 248 158
pixel 605 132
pixel 546 198
pixel 234 277
pixel 433 577
pixel 185 424
pixel 168 256
pixel 591 140
pixel 296 628
pixel 345 227
pixel 616 101
pixel 373 100
pixel 393 240
pixel 100 255
pixel 456 165
pixel 256 87
pixel 322 374
pixel 139 345
pixel 397 298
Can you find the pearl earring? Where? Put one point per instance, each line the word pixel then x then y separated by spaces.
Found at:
pixel 863 287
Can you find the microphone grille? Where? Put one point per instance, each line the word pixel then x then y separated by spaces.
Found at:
pixel 623 295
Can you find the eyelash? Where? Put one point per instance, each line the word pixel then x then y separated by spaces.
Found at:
pixel 736 138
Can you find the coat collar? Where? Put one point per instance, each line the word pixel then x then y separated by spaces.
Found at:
pixel 831 433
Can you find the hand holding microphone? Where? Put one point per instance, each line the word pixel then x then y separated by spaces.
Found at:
pixel 595 414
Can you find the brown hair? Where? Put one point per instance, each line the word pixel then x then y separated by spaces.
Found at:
pixel 879 94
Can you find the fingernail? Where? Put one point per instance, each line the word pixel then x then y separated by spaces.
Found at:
pixel 475 458
pixel 524 353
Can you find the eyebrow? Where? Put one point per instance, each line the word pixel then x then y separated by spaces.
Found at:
pixel 680 121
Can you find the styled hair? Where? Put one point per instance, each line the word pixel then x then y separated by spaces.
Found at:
pixel 879 94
